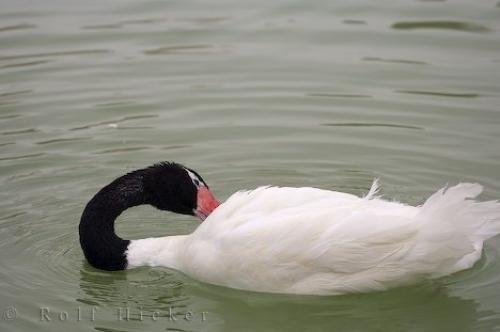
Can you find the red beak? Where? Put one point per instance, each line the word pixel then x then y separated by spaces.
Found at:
pixel 206 203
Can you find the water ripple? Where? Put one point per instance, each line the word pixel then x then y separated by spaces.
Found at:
pixel 20 131
pixel 62 140
pixel 354 22
pixel 121 24
pixel 9 116
pixel 14 93
pixel 127 149
pixel 175 147
pixel 402 61
pixel 6 143
pixel 151 288
pixel 13 215
pixel 134 127
pixel 206 20
pixel 115 104
pixel 52 54
pixel 114 122
pixel 444 25
pixel 33 155
pixel 338 95
pixel 22 26
pixel 359 124
pixel 440 94
pixel 25 64
pixel 186 49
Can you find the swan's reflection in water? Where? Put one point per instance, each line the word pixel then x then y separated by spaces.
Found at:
pixel 135 299
pixel 425 307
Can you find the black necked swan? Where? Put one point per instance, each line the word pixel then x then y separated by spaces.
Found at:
pixel 291 240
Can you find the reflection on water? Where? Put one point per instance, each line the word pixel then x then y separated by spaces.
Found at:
pixel 136 298
pixel 149 288
pixel 423 308
pixel 324 94
pixel 145 291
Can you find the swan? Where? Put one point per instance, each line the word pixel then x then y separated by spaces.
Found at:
pixel 291 240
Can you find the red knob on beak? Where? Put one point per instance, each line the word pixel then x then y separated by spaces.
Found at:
pixel 206 203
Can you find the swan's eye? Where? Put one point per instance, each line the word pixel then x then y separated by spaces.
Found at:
pixel 196 182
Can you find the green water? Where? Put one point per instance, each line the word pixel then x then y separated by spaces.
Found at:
pixel 300 93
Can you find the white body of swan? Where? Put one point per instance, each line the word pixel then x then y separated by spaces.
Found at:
pixel 313 241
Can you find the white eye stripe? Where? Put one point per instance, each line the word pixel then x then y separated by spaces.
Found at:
pixel 194 178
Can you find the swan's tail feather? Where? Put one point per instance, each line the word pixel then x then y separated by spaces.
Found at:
pixel 456 225
pixel 480 220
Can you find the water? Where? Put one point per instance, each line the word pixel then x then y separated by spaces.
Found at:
pixel 300 93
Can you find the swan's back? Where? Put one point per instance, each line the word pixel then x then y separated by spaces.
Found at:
pixel 312 241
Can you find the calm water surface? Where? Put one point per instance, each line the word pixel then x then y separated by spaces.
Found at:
pixel 303 93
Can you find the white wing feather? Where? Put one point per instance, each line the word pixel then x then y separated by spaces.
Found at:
pixel 308 241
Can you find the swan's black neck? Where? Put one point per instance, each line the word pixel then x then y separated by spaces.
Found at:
pixel 101 246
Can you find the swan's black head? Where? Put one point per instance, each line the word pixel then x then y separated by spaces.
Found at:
pixel 176 188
